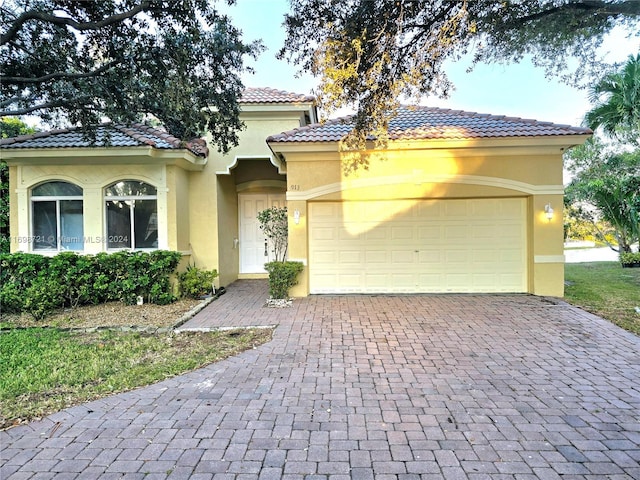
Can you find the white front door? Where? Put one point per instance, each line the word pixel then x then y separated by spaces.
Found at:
pixel 252 241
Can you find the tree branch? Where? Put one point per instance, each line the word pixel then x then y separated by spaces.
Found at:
pixel 33 108
pixel 61 21
pixel 59 75
pixel 628 8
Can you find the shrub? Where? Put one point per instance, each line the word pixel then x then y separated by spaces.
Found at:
pixel 630 258
pixel 38 284
pixel 282 276
pixel 195 282
pixel 11 298
pixel 43 297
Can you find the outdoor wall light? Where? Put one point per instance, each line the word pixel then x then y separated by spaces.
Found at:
pixel 548 211
pixel 296 216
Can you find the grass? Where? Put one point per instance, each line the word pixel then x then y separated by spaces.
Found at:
pixel 606 289
pixel 43 370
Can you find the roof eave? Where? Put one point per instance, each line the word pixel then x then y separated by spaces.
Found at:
pixel 103 155
pixel 533 144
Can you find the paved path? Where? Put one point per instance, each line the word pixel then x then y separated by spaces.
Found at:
pixel 363 387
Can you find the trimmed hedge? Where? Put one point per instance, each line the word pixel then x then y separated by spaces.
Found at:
pixel 38 284
pixel 282 276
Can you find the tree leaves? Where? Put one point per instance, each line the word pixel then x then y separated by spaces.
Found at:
pixel 610 184
pixel 368 53
pixel 124 60
pixel 617 103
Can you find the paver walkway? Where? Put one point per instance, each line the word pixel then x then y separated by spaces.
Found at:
pixel 362 387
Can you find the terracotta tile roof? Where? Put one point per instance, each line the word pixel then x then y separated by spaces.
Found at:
pixel 135 135
pixel 422 123
pixel 271 95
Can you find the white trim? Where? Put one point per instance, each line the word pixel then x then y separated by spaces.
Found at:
pixel 282 169
pixel 548 259
pixel 281 184
pixel 434 178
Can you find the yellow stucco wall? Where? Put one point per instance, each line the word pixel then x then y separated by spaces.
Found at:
pixel 213 192
pixel 228 252
pixel 178 220
pixel 92 179
pixel 418 172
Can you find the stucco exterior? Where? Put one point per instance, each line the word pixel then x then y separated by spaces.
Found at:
pixel 202 198
pixel 197 198
pixel 526 168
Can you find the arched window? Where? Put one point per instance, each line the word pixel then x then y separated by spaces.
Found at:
pixel 132 215
pixel 56 216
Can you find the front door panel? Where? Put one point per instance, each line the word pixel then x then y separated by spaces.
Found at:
pixel 252 241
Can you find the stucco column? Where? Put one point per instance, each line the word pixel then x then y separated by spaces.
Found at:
pixel 548 246
pixel 93 220
pixel 20 231
pixel 298 242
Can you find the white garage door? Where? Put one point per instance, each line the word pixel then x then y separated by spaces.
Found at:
pixel 415 246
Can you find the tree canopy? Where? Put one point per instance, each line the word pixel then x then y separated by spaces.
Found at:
pixel 617 103
pixel 606 185
pixel 9 127
pixel 123 60
pixel 368 53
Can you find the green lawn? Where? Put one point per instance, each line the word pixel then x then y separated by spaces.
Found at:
pixel 43 370
pixel 606 289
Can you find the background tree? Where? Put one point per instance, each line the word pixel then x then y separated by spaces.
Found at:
pixel 368 53
pixel 606 186
pixel 83 61
pixel 9 127
pixel 617 103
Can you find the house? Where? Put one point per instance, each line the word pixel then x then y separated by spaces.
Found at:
pixel 457 202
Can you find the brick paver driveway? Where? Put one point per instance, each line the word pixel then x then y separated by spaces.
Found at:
pixel 379 387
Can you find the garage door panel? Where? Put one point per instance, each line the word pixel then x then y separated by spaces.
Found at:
pixel 372 234
pixel 458 234
pixel 429 209
pixel 453 209
pixel 402 281
pixel 429 233
pixel 377 257
pixel 429 257
pixel 351 257
pixel 402 232
pixel 474 245
pixel 325 257
pixel 324 233
pixel 401 258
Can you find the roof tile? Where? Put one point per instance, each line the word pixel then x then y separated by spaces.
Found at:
pixel 134 135
pixel 424 123
pixel 271 95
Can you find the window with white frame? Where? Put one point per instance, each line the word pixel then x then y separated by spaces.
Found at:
pixel 132 215
pixel 56 217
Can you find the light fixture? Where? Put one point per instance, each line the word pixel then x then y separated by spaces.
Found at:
pixel 296 216
pixel 548 211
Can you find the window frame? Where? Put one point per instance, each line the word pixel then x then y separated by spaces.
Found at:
pixel 57 199
pixel 126 198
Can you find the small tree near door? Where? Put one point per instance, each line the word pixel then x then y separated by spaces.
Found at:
pixel 282 274
pixel 274 224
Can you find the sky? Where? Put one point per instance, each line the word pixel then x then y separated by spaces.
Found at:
pixel 518 90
